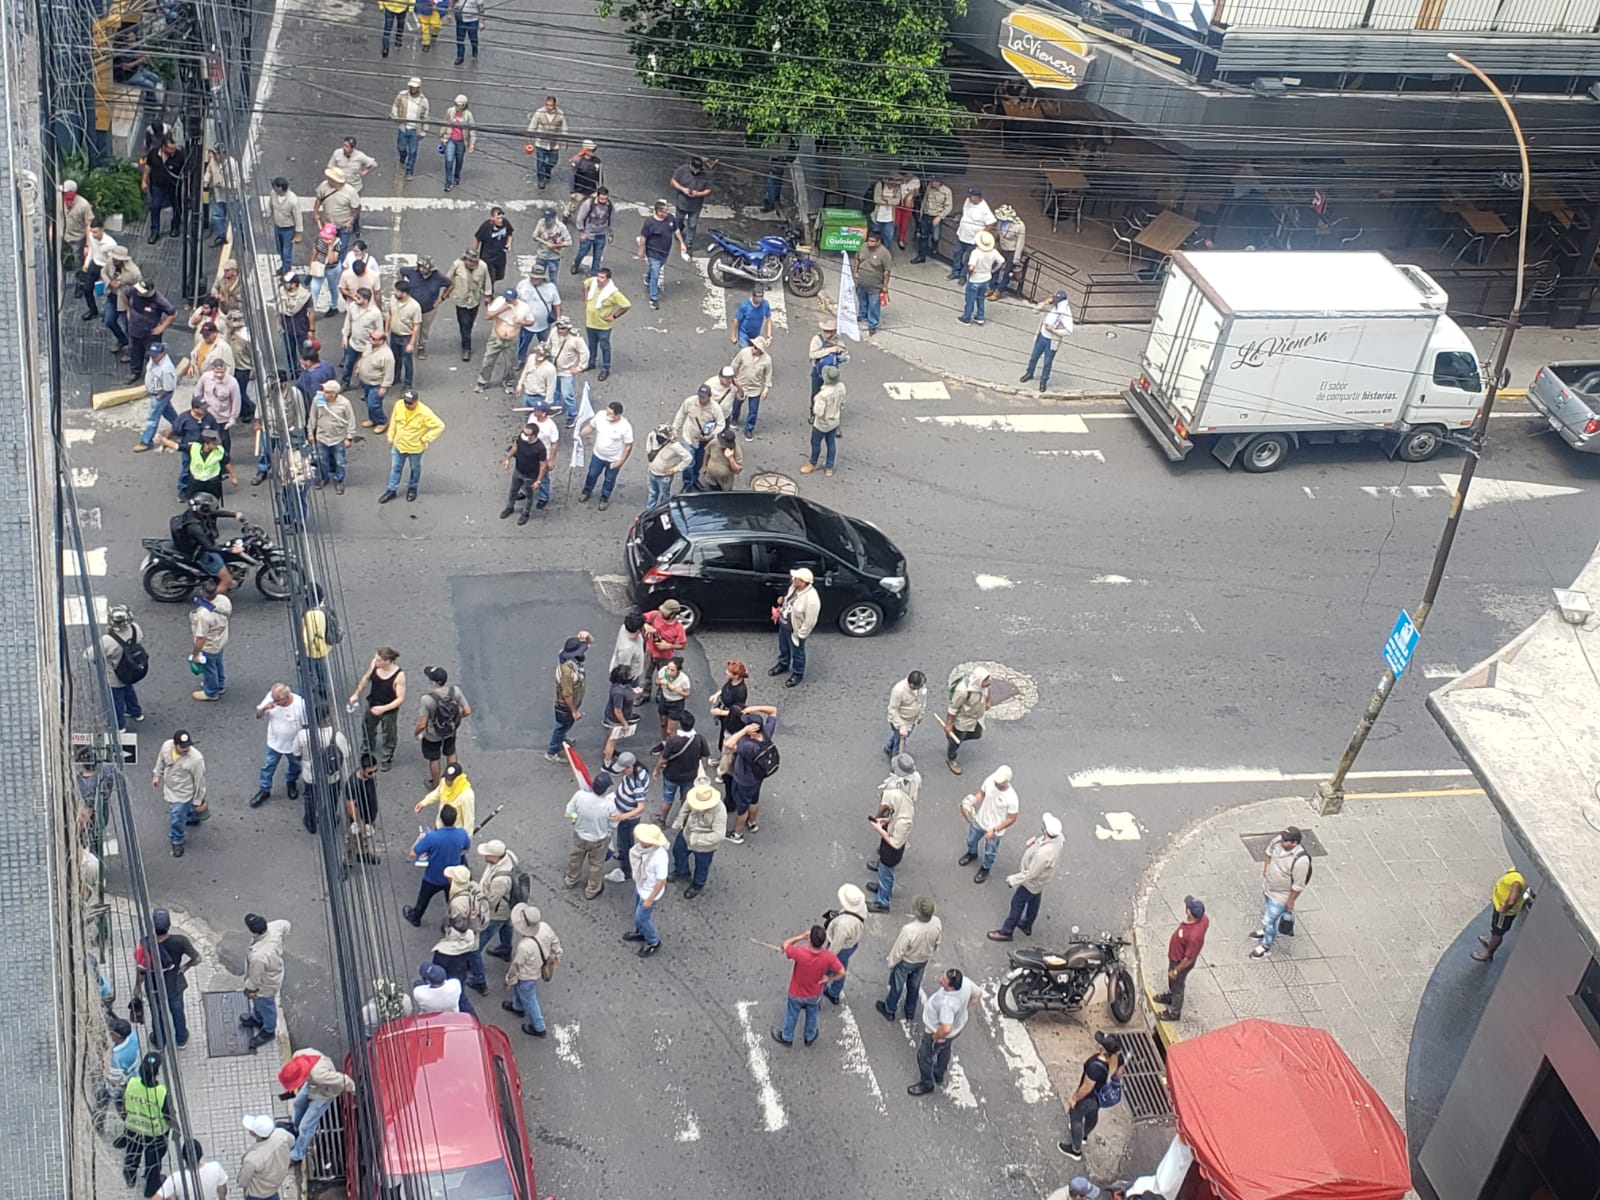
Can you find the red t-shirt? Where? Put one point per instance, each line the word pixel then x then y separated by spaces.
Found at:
pixel 809 967
pixel 1188 939
pixel 668 638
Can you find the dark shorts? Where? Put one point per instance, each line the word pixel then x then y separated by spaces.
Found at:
pixel 433 751
pixel 744 797
pixel 1501 922
pixel 210 562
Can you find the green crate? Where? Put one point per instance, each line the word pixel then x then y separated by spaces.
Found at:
pixel 841 229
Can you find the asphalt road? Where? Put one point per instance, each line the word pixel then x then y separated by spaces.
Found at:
pixel 1191 636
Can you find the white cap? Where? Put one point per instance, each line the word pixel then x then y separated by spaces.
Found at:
pixel 461 99
pixel 803 574
pixel 1002 774
pixel 69 185
pixel 259 1124
pixel 414 81
pixel 1052 824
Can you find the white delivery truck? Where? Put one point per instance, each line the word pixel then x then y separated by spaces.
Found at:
pixel 1254 353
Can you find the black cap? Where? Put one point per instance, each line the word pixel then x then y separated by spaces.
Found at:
pixel 703 390
pixel 436 674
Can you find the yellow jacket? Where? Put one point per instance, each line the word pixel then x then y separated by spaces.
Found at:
pixel 395 6
pixel 412 430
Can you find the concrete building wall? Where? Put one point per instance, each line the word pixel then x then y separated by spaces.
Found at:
pixel 1530 1018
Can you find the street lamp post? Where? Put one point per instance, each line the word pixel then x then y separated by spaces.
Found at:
pixel 1330 793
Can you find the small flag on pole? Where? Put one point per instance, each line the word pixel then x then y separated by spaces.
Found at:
pixel 849 319
pixel 585 415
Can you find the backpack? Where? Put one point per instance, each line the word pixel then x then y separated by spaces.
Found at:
pixel 477 908
pixel 446 714
pixel 659 437
pixel 1310 866
pixel 332 760
pixel 1109 1093
pixel 765 764
pixel 134 664
pixel 521 889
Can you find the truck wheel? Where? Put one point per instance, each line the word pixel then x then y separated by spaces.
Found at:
pixel 1421 444
pixel 1264 453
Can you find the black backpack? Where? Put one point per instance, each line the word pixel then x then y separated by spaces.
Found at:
pixel 332 761
pixel 134 664
pixel 521 888
pixel 765 763
pixel 446 714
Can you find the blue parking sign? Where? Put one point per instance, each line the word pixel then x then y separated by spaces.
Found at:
pixel 1402 643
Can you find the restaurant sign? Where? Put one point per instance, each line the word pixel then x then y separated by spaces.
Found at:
pixel 1045 50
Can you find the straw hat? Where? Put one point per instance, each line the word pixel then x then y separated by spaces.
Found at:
pixel 702 797
pixel 525 919
pixel 459 876
pixel 986 240
pixel 650 835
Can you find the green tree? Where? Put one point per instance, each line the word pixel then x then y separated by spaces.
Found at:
pixel 862 75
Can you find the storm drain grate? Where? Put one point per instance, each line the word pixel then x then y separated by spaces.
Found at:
pixel 1257 843
pixel 225 1037
pixel 1144 1083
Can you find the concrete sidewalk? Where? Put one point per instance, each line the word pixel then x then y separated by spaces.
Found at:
pixel 1395 881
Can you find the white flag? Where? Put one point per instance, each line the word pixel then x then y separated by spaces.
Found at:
pixel 585 415
pixel 849 323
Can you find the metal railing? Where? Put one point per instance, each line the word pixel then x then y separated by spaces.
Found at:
pixel 1111 298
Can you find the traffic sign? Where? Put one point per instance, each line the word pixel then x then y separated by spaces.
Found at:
pixel 1402 643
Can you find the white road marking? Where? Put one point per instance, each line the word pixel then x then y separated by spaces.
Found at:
pixel 689 1131
pixel 1117 580
pixel 1310 493
pixel 1032 1079
pixel 92 563
pixel 264 87
pixel 75 436
pixel 1021 423
pixel 1107 416
pixel 1502 491
pixel 714 304
pixel 1135 777
pixel 931 390
pixel 89 519
pixel 777 296
pixel 956 1084
pixel 990 583
pixel 1094 454
pixel 1440 671
pixel 74 612
pixel 755 1052
pixel 1119 827
pixel 84 477
pixel 1425 491
pixel 567 1044
pixel 855 1056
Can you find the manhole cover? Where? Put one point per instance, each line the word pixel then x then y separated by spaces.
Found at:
pixel 1144 1083
pixel 225 1037
pixel 1257 843
pixel 772 481
pixel 1011 693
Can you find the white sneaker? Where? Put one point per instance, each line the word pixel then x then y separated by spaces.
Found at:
pixel 615 875
pixel 1260 952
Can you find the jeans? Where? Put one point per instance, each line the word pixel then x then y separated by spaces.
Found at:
pixel 406 142
pixel 688 222
pixel 958 258
pixel 222 214
pixel 660 491
pixel 885 230
pixel 374 397
pixel 794 1006
pixel 567 395
pixel 397 464
pixel 521 486
pixel 974 306
pixel 933 1059
pixel 1177 980
pixel 466 318
pixel 596 466
pixel 265 1010
pixel 283 238
pixel 644 922
pixel 869 306
pixel 990 847
pixel 466 30
pixel 213 679
pixel 1024 911
pixel 117 323
pixel 820 436
pixel 1002 279
pixel 927 236
pixel 905 976
pixel 774 191
pixel 1083 1117
pixel 591 248
pixel 544 163
pixel 498 932
pixel 126 702
pixel 652 275
pixel 160 408
pixel 600 348
pixel 347 364
pixel 564 723
pixel 307 1113
pixel 552 271
pixel 178 820
pixel 405 366
pixel 681 854
pixel 836 988
pixel 454 153
pixel 897 741
pixel 671 792
pixel 791 652
pixel 525 999
pixel 269 768
pixel 691 469
pixel 331 461
pixel 160 198
pixel 739 401
pixel 1044 348
pixel 885 883
pixel 395 23
pixel 1271 910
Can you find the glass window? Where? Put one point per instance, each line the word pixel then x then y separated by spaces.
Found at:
pixel 727 556
pixel 1456 369
pixel 1588 997
pixel 510 1124
pixel 783 557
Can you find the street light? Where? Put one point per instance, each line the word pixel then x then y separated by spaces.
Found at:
pixel 1330 793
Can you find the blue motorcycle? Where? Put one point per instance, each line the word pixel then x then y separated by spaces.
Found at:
pixel 769 260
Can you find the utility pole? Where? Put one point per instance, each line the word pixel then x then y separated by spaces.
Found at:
pixel 1330 793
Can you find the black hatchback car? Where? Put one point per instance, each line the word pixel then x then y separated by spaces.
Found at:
pixel 727 556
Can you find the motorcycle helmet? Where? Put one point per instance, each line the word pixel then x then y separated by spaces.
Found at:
pixel 204 502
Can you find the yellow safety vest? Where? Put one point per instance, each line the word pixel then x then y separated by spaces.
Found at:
pixel 201 468
pixel 143 1108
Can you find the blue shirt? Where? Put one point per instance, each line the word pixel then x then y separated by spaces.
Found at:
pixel 125 1055
pixel 445 848
pixel 752 318
pixel 745 752
pixel 310 382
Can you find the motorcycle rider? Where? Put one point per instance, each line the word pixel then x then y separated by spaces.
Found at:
pixel 194 535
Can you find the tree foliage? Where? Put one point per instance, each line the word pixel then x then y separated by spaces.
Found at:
pixel 861 73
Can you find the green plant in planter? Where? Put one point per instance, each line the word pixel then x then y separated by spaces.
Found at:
pixel 114 189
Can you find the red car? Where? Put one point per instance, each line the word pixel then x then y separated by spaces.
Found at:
pixel 447 1094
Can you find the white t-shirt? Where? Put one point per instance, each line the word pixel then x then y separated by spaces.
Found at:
pixel 610 437
pixel 982 264
pixel 653 869
pixel 975 218
pixel 944 1007
pixel 444 998
pixel 284 722
pixel 996 804
pixel 213 1178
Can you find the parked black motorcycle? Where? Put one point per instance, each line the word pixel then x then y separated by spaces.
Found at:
pixel 171 578
pixel 1063 981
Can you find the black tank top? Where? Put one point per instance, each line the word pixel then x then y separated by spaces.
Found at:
pixel 382 690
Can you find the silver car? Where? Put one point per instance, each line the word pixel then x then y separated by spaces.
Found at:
pixel 1568 394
